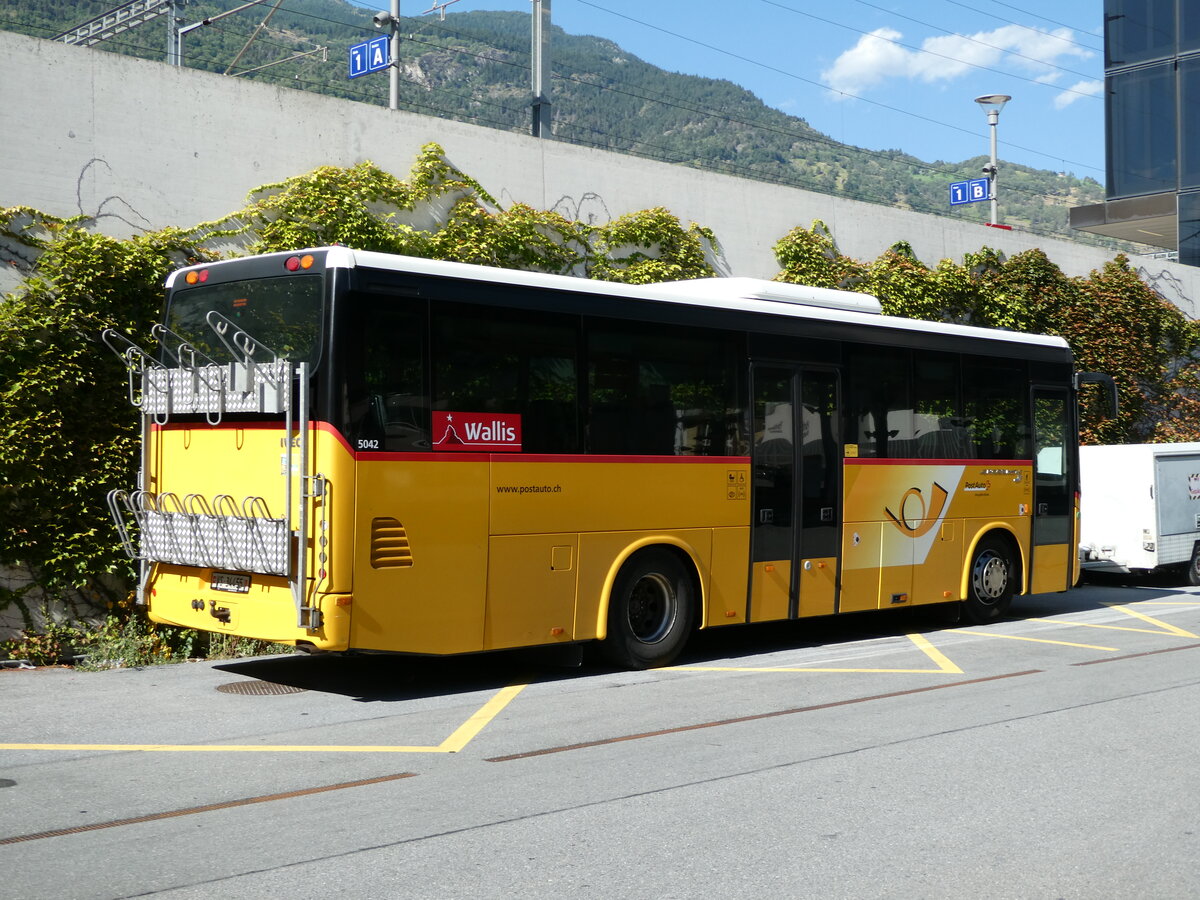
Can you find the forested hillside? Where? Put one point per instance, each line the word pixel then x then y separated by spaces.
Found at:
pixel 474 66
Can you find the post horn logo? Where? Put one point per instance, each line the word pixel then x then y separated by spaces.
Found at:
pixel 914 522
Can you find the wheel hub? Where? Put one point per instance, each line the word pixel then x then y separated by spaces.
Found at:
pixel 652 608
pixel 990 577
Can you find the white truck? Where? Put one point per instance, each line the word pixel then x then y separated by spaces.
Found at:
pixel 1140 508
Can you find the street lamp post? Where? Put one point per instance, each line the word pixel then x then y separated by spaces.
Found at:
pixel 391 21
pixel 992 104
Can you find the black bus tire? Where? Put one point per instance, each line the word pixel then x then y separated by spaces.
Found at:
pixel 651 611
pixel 1193 568
pixel 991 581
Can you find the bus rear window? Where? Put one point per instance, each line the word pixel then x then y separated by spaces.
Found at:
pixel 283 314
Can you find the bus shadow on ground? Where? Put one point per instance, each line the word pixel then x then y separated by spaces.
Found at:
pixel 384 677
pixel 375 678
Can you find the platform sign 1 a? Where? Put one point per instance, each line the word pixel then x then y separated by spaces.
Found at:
pixel 370 56
pixel 969 191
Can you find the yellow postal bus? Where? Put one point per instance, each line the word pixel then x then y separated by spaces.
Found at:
pixel 347 450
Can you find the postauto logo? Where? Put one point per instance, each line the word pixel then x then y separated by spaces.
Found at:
pixel 468 432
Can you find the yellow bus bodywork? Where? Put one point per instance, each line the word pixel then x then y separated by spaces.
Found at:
pixel 449 553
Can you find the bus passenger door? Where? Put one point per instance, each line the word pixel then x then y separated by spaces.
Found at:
pixel 795 494
pixel 1055 460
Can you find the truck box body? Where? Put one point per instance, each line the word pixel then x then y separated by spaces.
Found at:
pixel 1139 506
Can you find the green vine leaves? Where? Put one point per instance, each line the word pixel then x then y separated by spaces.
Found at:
pixel 1114 322
pixel 67 435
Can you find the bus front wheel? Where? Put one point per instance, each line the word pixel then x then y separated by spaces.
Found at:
pixel 992 581
pixel 650 612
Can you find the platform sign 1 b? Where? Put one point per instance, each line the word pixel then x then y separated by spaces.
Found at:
pixel 370 56
pixel 969 191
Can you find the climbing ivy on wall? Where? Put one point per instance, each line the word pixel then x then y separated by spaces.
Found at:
pixel 1113 321
pixel 67 434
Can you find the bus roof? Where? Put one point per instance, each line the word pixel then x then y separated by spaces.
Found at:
pixel 753 295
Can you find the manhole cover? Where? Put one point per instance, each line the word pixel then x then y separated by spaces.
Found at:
pixel 258 688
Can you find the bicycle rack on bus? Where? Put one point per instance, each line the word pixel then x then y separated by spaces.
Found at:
pixel 221 533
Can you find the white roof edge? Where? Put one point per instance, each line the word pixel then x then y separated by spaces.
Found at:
pixel 756 295
pixel 741 288
pixel 339 258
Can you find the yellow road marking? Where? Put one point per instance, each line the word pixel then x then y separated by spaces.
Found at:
pixel 936 655
pixel 1107 627
pixel 1145 618
pixel 944 665
pixel 468 729
pixel 1163 629
pixel 459 739
pixel 1017 637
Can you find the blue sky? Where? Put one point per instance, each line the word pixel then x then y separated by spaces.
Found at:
pixel 883 74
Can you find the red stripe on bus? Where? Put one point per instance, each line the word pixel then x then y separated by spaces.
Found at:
pixel 388 456
pixel 859 461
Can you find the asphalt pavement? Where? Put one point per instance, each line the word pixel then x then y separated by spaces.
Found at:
pixel 897 755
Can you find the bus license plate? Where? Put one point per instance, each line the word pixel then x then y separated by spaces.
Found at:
pixel 231 582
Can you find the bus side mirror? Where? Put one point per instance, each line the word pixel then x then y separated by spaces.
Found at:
pixel 1082 378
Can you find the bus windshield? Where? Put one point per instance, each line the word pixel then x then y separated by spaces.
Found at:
pixel 283 314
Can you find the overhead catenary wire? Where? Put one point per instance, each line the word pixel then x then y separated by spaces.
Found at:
pixel 975 40
pixel 824 87
pixel 599 137
pixel 435 26
pixel 1024 12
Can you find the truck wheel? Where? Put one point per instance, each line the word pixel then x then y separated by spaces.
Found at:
pixel 651 611
pixel 992 581
pixel 1193 569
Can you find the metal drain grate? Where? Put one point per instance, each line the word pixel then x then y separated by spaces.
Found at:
pixel 258 688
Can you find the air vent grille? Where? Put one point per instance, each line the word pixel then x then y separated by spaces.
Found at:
pixel 389 544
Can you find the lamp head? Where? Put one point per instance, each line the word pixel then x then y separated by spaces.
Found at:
pixel 382 19
pixel 993 103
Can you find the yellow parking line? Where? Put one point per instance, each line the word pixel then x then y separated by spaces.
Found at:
pixel 945 666
pixel 936 655
pixel 1017 637
pixel 227 748
pixel 1145 618
pixel 468 729
pixel 459 739
pixel 1165 630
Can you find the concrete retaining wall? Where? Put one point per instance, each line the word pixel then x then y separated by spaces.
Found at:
pixel 141 145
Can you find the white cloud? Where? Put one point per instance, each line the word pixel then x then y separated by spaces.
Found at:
pixel 867 63
pixel 1076 91
pixel 878 56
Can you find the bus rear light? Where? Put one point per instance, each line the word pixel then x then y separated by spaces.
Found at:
pixel 343 601
pixel 196 276
pixel 296 263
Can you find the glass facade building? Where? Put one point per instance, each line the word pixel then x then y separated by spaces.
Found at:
pixel 1152 126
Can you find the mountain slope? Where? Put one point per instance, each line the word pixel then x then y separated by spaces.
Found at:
pixel 474 66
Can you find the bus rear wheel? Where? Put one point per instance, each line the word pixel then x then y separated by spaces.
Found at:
pixel 992 581
pixel 650 612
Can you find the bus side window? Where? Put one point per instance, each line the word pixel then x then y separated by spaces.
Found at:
pixel 663 391
pixel 387 403
pixel 880 402
pixel 938 429
pixel 996 401
pixel 495 360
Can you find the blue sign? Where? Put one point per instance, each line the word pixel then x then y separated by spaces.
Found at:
pixel 969 191
pixel 370 56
